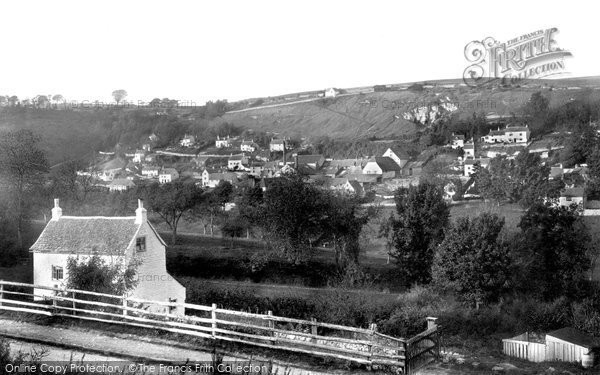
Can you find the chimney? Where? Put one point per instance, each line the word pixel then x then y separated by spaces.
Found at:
pixel 56 211
pixel 140 213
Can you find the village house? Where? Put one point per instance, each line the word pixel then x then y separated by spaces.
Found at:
pixel 167 175
pixel 343 185
pixel 147 147
pixel 469 150
pixel 188 141
pixel 150 172
pixel 212 179
pixel 510 134
pixel 572 195
pixel 331 92
pixel 458 141
pixel 222 142
pixel 248 146
pixel 382 166
pixel 313 161
pixel 237 162
pixel 470 165
pixel 398 155
pixel 278 145
pixel 413 168
pixel 138 156
pixel 117 241
pixel 120 184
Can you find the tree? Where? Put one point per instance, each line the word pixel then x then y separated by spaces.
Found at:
pixel 422 216
pixel 524 180
pixel 536 109
pixel 472 261
pixel 58 98
pixel 212 204
pixel 553 251
pixel 95 275
pixel 292 217
pixel 171 201
pixel 343 223
pixel 580 145
pixel 22 166
pixel 119 95
pixel 249 203
pixel 13 101
pixel 233 226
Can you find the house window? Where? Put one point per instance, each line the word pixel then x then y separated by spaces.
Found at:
pixel 569 199
pixel 57 273
pixel 140 244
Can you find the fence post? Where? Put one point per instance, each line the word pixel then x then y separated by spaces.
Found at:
pixel 271 323
pixel 213 317
pixel 373 329
pixel 1 291
pixel 73 299
pixel 407 363
pixel 431 322
pixel 124 305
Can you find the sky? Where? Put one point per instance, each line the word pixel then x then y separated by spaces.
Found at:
pixel 196 51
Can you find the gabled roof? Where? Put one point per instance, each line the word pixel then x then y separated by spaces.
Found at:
pixel 169 171
pixel 387 164
pixel 573 192
pixel 309 159
pixel 238 157
pixel 575 336
pixel 277 141
pixel 400 153
pixel 87 235
pixel 481 161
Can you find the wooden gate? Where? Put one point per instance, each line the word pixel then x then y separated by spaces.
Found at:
pixel 423 348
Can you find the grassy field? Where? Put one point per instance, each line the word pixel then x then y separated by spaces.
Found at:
pixel 511 212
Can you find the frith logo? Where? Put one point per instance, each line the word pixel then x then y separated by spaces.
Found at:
pixel 533 55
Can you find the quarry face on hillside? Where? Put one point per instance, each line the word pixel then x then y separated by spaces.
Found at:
pixel 391 114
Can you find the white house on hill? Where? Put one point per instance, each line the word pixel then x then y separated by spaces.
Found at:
pixel 222 142
pixel 510 134
pixel 167 175
pixel 117 240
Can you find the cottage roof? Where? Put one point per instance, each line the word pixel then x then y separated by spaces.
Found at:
pixel 309 159
pixel 400 153
pixel 469 145
pixel 87 235
pixel 481 161
pixel 575 336
pixel 573 192
pixel 237 157
pixel 387 164
pixel 277 141
pixel 170 171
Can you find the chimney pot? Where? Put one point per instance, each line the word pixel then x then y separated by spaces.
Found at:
pixel 141 214
pixel 56 211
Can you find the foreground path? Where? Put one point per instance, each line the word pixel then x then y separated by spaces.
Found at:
pixel 126 347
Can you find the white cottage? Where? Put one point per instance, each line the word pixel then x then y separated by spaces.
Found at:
pixel 117 240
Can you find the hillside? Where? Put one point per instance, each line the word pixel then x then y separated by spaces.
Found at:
pixel 356 113
pixel 396 113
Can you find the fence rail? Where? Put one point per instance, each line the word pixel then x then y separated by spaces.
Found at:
pixel 360 345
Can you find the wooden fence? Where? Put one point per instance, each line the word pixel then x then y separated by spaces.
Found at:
pixel 359 345
pixel 521 347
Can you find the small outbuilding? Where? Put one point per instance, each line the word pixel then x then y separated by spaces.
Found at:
pixel 569 345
